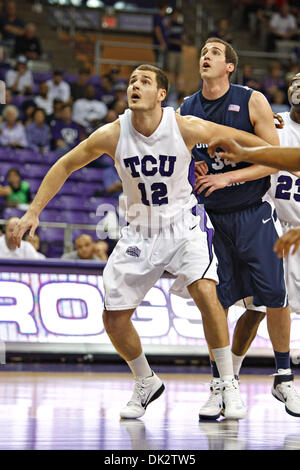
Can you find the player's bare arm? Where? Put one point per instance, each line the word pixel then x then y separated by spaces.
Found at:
pixel 282 158
pixel 103 140
pixel 194 130
pixel 286 242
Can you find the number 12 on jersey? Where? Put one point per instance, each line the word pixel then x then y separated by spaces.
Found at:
pixel 158 195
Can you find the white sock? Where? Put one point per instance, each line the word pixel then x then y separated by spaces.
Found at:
pixel 140 367
pixel 223 360
pixel 237 363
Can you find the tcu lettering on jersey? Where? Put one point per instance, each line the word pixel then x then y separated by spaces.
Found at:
pixel 150 166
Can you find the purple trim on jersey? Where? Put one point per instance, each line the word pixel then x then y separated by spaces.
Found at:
pixel 191 174
pixel 200 210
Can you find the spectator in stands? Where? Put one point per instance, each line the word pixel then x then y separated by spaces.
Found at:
pixel 293 69
pixel 278 103
pixel 160 33
pixel 38 132
pixel 120 106
pixel 17 191
pixel 57 112
pixel 58 88
pixel 283 26
pixel 78 88
pixel 114 75
pixel 101 250
pixel 12 133
pixel 85 246
pixel 274 80
pixel 107 90
pixel 174 65
pixel 248 79
pixel 222 31
pixel 66 133
pixel 28 44
pixel 35 241
pixel 20 80
pixel 88 112
pixel 8 248
pixel 11 26
pixel 120 91
pixel 28 108
pixel 44 100
pixel 263 17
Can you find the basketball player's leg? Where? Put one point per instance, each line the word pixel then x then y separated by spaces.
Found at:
pixel 215 327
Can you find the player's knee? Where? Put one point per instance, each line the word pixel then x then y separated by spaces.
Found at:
pixel 113 321
pixel 203 290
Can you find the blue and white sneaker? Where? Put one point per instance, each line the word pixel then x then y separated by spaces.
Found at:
pixel 284 390
pixel 212 409
pixel 146 390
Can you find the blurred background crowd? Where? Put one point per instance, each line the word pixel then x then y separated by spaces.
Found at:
pixel 62 84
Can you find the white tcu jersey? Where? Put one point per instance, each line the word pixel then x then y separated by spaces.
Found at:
pixel 285 187
pixel 154 171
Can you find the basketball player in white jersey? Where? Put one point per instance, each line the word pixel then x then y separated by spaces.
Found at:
pixel 151 147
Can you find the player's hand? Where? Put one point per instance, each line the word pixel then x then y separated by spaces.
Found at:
pixel 284 243
pixel 211 183
pixel 280 123
pixel 201 168
pixel 29 221
pixel 231 150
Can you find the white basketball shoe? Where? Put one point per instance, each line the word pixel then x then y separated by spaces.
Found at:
pixel 212 409
pixel 233 405
pixel 284 390
pixel 146 390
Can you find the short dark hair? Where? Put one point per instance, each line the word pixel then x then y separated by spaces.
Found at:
pixel 13 170
pixel 161 78
pixel 231 56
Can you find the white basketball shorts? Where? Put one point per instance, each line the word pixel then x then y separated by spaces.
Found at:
pixel 137 262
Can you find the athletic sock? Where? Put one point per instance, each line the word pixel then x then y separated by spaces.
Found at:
pixel 214 370
pixel 282 360
pixel 237 363
pixel 140 367
pixel 223 360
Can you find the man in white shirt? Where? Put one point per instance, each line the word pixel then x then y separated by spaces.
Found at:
pixel 283 26
pixel 20 80
pixel 43 100
pixel 8 248
pixel 58 88
pixel 88 111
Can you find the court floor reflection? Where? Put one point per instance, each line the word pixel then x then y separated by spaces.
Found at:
pixel 81 411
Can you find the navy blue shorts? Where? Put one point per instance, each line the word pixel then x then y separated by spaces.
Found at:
pixel 248 266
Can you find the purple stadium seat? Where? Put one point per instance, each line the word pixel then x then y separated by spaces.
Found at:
pixel 51 215
pixel 28 156
pixel 6 154
pixel 50 158
pixel 75 217
pixel 40 77
pixel 94 202
pixel 50 235
pixel 34 184
pixel 70 77
pixel 35 171
pixel 12 212
pixel 4 167
pixel 91 174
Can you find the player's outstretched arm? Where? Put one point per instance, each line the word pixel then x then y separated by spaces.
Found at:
pixel 104 140
pixel 282 158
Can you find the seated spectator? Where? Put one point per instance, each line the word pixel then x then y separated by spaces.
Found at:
pixel 20 80
pixel 101 250
pixel 278 103
pixel 17 191
pixel 78 88
pixel 8 248
pixel 66 133
pixel 247 78
pixel 44 100
pixel 38 132
pixel 112 185
pixel 12 133
pixel 35 241
pixel 58 88
pixel 85 246
pixel 57 112
pixel 283 26
pixel 292 70
pixel 273 81
pixel 120 106
pixel 28 44
pixel 222 31
pixel 11 26
pixel 88 112
pixel 107 93
pixel 28 108
pixel 120 90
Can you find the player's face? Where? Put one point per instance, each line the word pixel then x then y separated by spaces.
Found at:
pixel 213 61
pixel 294 92
pixel 142 91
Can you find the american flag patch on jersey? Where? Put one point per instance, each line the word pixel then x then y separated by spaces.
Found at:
pixel 234 107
